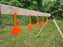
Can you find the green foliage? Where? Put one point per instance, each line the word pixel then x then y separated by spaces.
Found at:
pixel 34 19
pixel 54 8
pixel 6 20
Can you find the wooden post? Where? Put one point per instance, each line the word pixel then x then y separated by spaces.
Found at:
pixel 58 28
pixel 41 30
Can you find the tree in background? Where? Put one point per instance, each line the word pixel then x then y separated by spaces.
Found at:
pixel 54 7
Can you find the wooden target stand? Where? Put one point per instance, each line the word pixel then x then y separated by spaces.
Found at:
pixel 11 10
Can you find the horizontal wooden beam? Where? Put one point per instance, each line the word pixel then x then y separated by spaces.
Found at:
pixel 9 10
pixel 0 9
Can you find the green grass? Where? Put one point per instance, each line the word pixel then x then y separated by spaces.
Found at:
pixel 49 37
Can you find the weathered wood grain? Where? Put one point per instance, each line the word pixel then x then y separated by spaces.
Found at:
pixel 9 10
pixel 0 10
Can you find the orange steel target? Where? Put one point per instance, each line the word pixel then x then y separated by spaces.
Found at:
pixel 46 19
pixel 29 27
pixel 42 20
pixel 37 25
pixel 15 30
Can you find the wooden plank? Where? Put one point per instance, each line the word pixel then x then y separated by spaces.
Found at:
pixel 58 28
pixel 5 9
pixel 0 10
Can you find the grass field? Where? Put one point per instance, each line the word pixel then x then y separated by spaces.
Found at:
pixel 49 37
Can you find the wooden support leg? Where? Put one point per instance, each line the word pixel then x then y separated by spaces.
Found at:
pixel 40 30
pixel 58 28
